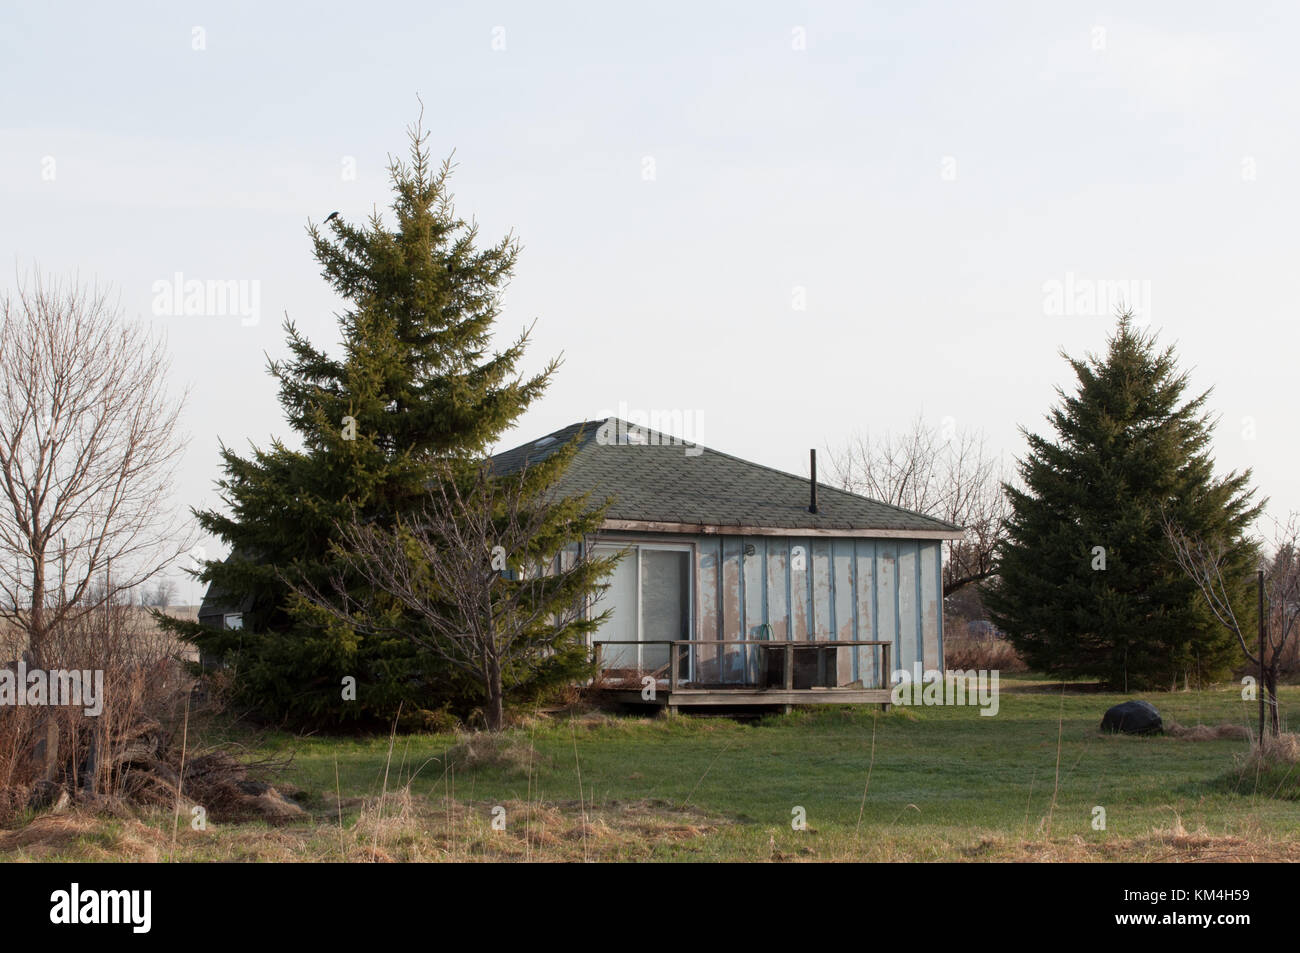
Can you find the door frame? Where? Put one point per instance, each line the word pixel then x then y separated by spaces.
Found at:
pixel 635 544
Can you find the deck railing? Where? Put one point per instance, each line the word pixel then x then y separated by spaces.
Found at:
pixel 742 664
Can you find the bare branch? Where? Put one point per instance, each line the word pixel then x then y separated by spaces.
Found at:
pixel 88 453
pixel 1204 562
pixel 951 477
pixel 491 597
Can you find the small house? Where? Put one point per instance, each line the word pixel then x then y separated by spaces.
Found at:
pixel 740 585
pixel 744 585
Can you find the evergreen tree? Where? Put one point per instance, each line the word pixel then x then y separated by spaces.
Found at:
pixel 413 388
pixel 490 575
pixel 1087 583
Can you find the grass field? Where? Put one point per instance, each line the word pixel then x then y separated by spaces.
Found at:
pixel 911 784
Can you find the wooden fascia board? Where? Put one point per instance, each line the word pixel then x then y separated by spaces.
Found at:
pixel 709 529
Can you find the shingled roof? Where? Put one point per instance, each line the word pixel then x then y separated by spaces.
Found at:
pixel 659 482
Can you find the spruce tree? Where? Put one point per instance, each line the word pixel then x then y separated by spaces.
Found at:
pixel 1087 584
pixel 489 575
pixel 414 386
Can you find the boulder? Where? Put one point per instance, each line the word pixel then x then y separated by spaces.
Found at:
pixel 1133 718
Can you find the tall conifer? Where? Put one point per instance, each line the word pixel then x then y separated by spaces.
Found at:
pixel 1087 583
pixel 415 385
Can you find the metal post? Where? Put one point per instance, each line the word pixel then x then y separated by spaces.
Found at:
pixel 1261 658
pixel 812 484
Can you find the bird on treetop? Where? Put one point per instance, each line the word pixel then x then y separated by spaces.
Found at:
pixel 331 217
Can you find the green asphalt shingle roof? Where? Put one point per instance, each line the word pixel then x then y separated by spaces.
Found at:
pixel 662 480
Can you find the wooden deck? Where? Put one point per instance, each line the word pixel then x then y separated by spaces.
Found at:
pixel 771 674
pixel 749 697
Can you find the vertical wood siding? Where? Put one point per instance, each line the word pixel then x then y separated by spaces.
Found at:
pixel 847 589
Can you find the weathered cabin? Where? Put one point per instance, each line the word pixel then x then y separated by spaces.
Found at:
pixel 743 585
pixel 733 592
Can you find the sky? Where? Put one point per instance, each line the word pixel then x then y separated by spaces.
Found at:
pixel 786 222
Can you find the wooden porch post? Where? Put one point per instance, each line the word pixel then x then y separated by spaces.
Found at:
pixel 884 674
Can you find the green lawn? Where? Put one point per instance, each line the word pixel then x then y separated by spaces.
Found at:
pixel 943 783
pixel 940 776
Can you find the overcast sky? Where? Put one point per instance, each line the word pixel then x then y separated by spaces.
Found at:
pixel 789 221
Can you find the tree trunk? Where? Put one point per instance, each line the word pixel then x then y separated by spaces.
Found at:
pixel 36 620
pixel 51 767
pixel 48 747
pixel 495 713
pixel 1270 697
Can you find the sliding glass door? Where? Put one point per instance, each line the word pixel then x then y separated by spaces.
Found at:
pixel 650 594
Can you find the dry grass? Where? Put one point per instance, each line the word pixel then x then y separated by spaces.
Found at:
pixel 1219 732
pixel 152 641
pixel 716 806
pixel 1172 845
pixel 87 837
pixel 144 688
pixel 396 828
pixel 137 748
pixel 402 827
pixel 1280 751
pixel 511 754
pixel 962 650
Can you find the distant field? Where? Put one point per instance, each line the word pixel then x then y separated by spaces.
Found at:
pixel 13 640
pixel 940 784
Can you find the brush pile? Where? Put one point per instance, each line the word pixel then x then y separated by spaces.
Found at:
pixel 136 751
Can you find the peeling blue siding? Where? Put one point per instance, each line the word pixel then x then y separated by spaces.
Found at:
pixel 848 589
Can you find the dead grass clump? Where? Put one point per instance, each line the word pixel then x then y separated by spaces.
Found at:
pixel 87 836
pixel 385 821
pixel 568 831
pixel 593 830
pixel 1177 844
pixel 1171 844
pixel 1269 769
pixel 596 720
pixel 48 833
pixel 965 652
pixel 655 820
pixel 1220 732
pixel 1275 751
pixel 512 755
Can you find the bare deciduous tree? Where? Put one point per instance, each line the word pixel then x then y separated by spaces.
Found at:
pixel 1203 561
pixel 950 477
pixel 160 595
pixel 88 452
pixel 490 568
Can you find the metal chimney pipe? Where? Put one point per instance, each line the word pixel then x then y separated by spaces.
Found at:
pixel 812 465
